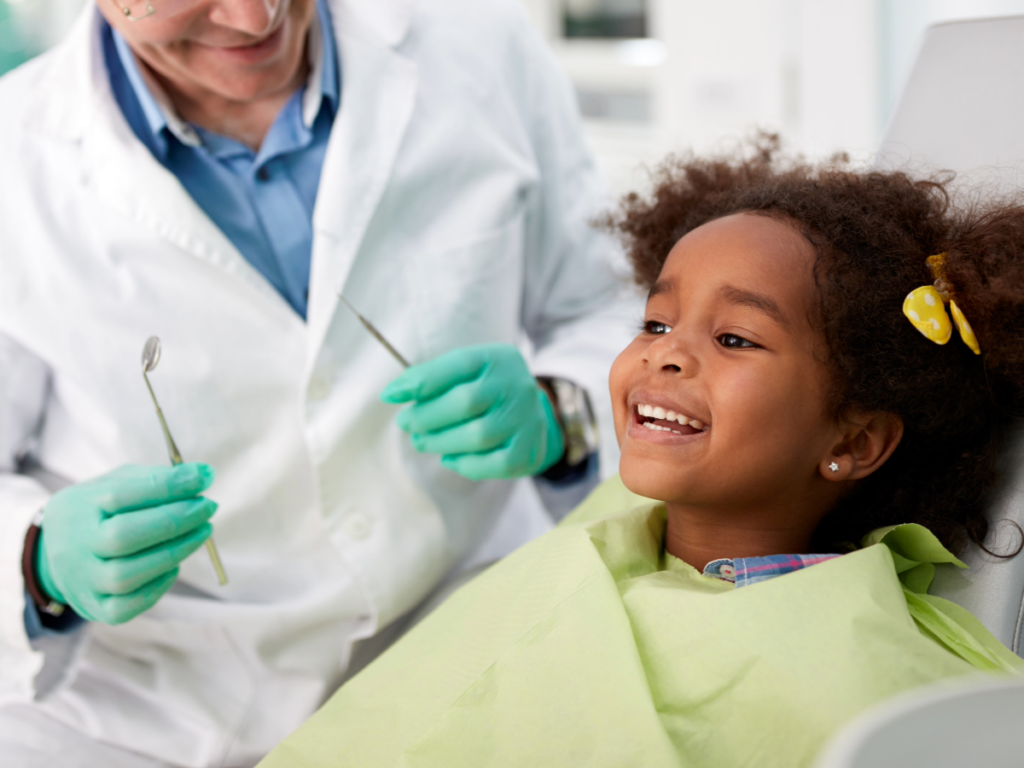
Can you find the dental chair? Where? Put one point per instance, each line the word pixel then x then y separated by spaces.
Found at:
pixel 962 110
pixel 981 724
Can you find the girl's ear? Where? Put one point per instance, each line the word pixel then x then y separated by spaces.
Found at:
pixel 867 443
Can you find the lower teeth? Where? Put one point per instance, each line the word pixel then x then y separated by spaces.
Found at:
pixel 656 428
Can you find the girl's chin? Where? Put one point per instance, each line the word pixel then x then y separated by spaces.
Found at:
pixel 648 481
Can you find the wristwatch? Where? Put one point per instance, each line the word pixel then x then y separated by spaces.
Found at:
pixel 579 425
pixel 30 551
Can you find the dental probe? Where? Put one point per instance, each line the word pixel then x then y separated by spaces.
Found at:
pixel 150 357
pixel 376 334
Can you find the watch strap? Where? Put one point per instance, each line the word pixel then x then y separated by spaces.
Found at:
pixel 29 554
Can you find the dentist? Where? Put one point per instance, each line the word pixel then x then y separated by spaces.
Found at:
pixel 216 173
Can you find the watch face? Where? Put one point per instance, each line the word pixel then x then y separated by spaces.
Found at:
pixel 581 434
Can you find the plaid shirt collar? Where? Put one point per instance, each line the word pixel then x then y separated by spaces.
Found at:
pixel 743 571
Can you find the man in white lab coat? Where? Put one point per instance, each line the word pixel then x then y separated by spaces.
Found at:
pixel 216 173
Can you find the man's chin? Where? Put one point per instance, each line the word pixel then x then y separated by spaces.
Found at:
pixel 243 87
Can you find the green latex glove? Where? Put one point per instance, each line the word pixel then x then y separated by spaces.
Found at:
pixel 110 547
pixel 482 410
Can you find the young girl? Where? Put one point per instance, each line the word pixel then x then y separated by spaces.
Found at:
pixel 825 372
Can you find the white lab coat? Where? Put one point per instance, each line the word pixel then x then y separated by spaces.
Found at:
pixel 453 209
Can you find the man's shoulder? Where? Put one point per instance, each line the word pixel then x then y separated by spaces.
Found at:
pixel 19 88
pixel 494 26
pixel 496 11
pixel 42 96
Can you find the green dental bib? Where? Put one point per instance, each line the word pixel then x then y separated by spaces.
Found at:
pixel 584 649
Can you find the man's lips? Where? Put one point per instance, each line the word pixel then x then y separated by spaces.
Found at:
pixel 254 52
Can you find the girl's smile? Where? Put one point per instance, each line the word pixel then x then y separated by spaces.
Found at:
pixel 660 421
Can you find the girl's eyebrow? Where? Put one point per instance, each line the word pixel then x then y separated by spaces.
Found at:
pixel 666 285
pixel 754 300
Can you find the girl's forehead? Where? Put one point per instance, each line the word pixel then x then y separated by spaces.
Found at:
pixel 745 252
pixel 748 246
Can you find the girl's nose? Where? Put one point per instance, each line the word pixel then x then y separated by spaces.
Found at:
pixel 671 354
pixel 253 17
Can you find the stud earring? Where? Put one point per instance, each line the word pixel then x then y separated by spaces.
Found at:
pixel 834 467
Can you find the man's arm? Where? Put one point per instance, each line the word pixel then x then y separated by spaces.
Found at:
pixel 579 307
pixel 24 384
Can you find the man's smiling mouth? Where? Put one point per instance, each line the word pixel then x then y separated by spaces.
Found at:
pixel 658 419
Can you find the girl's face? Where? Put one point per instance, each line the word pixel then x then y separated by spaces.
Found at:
pixel 731 366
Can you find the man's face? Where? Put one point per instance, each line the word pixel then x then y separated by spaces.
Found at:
pixel 727 344
pixel 239 50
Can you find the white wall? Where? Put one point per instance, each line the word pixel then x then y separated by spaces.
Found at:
pixel 824 73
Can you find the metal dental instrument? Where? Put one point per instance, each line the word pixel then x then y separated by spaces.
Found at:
pixel 376 334
pixel 150 357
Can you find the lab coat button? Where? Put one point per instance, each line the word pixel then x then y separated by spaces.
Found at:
pixel 357 527
pixel 319 387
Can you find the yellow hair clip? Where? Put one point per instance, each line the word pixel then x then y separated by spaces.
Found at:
pixel 925 308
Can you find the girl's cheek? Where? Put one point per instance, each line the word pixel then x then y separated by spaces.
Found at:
pixel 618 386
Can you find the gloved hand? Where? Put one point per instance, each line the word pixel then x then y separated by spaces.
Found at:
pixel 482 409
pixel 110 547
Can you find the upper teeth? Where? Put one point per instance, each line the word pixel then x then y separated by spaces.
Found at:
pixel 656 412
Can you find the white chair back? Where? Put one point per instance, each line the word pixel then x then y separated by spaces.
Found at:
pixel 963 110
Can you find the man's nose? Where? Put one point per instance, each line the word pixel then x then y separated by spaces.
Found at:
pixel 253 17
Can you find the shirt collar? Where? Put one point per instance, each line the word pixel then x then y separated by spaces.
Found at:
pixel 160 113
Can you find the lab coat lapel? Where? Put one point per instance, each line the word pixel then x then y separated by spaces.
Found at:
pixel 119 168
pixel 378 95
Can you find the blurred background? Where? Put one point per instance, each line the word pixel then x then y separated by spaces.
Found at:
pixel 655 76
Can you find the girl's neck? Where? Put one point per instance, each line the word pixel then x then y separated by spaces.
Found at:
pixel 697 538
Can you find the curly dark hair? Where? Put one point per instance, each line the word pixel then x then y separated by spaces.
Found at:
pixel 872 232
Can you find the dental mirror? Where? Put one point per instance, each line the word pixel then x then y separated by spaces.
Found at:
pixel 150 354
pixel 150 357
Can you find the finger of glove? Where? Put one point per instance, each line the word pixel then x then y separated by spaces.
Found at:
pixel 430 379
pixel 123 575
pixel 495 465
pixel 462 403
pixel 152 487
pixel 132 532
pixel 117 609
pixel 477 436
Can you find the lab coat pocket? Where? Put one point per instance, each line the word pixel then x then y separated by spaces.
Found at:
pixel 470 293
pixel 140 669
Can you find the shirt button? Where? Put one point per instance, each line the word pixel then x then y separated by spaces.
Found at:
pixel 357 527
pixel 319 387
pixel 262 173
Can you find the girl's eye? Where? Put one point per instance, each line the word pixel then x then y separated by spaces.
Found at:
pixel 732 341
pixel 656 328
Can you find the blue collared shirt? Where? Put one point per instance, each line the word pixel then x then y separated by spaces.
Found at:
pixel 263 201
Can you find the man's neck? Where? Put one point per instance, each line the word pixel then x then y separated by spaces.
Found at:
pixel 247 122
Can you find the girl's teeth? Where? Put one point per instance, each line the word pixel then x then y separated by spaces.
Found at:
pixel 655 412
